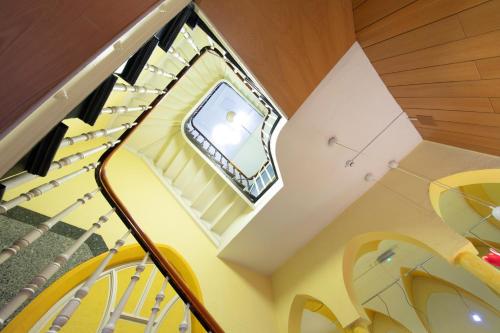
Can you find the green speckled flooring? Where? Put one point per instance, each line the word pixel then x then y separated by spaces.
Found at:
pixel 16 272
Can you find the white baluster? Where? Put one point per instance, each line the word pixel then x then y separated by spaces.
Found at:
pixel 137 89
pixel 159 71
pixel 156 308
pixel 49 271
pixel 110 325
pixel 211 42
pixel 177 56
pixel 190 40
pixel 39 190
pixel 24 177
pixel 124 109
pixel 184 325
pixel 70 307
pixel 43 228
pixel 95 134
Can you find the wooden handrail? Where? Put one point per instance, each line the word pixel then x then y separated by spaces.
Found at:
pixel 167 269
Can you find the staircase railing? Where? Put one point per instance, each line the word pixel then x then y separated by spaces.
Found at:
pixel 105 187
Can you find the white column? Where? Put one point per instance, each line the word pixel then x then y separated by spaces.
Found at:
pixel 70 307
pixel 137 89
pixel 110 325
pixel 184 325
pixel 159 71
pixel 95 134
pixel 124 109
pixel 24 177
pixel 39 190
pixel 41 279
pixel 156 308
pixel 33 235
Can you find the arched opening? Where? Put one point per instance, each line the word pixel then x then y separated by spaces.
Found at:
pixel 309 315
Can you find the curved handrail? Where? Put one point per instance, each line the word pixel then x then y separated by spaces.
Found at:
pixel 176 281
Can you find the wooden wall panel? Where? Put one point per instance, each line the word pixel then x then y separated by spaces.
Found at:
pixel 446 73
pixel 372 11
pixel 444 103
pixel 289 45
pixel 43 42
pixel 441 61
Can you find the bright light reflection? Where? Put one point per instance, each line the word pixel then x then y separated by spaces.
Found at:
pixel 476 318
pixel 225 135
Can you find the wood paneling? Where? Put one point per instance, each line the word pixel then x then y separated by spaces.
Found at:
pixel 44 42
pixel 489 68
pixel 478 47
pixel 436 33
pixel 481 19
pixel 289 45
pixel 444 103
pixel 479 88
pixel 445 73
pixel 372 11
pixel 441 61
pixel 413 16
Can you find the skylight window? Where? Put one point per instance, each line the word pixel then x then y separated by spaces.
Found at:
pixel 231 123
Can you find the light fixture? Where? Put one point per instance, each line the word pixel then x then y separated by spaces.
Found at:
pixel 495 212
pixel 386 256
pixel 225 135
pixel 476 318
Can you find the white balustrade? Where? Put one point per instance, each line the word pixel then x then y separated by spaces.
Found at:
pixel 39 190
pixel 137 89
pixel 124 109
pixel 33 235
pixel 95 134
pixel 189 39
pixel 110 325
pixel 156 307
pixel 184 325
pixel 172 51
pixel 65 314
pixel 41 278
pixel 159 71
pixel 25 176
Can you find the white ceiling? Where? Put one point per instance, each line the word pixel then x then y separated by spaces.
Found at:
pixel 353 104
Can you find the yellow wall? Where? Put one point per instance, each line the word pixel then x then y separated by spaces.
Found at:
pixel 398 207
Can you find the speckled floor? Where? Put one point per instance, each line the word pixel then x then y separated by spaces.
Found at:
pixel 20 269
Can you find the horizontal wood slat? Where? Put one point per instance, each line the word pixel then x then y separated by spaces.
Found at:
pixel 373 10
pixel 444 103
pixel 472 48
pixel 446 73
pixel 481 144
pixel 495 103
pixel 481 19
pixel 476 130
pixel 489 68
pixel 440 32
pixel 485 119
pixel 441 61
pixel 413 16
pixel 479 88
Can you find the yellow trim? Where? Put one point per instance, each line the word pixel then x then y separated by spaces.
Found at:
pixel 25 320
pixel 461 179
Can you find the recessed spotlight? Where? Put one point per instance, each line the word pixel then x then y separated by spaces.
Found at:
pixel 476 318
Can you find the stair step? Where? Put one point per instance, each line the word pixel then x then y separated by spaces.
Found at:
pixel 223 199
pixel 211 190
pixel 229 216
pixel 163 159
pixel 178 162
pixel 189 172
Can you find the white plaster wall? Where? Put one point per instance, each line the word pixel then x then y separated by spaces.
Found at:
pixel 353 104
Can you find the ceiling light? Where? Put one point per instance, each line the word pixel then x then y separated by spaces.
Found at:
pixel 476 318
pixel 495 211
pixel 386 256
